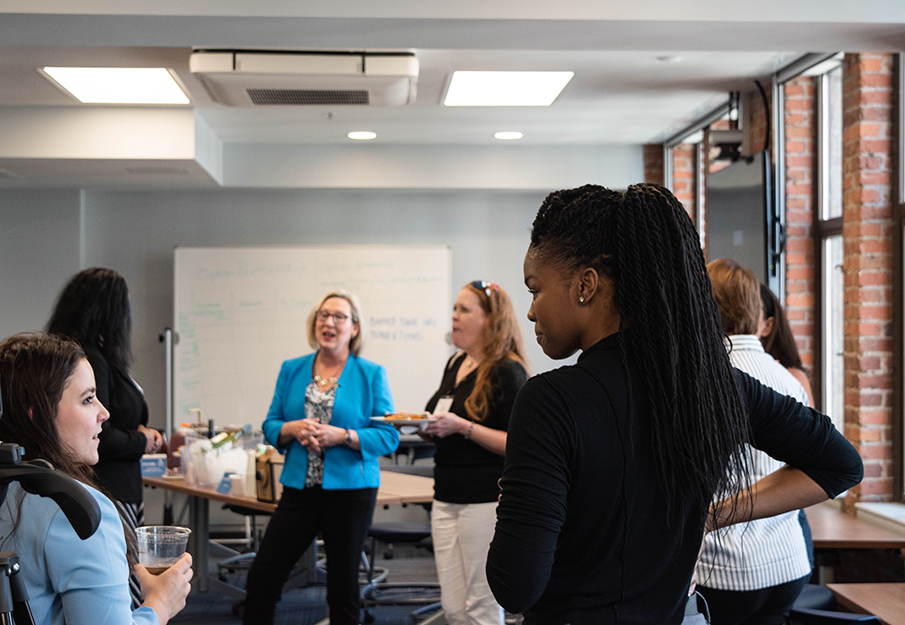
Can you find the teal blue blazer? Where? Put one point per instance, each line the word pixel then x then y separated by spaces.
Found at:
pixel 362 392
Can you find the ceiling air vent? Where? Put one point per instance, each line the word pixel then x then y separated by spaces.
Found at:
pixel 309 97
pixel 251 78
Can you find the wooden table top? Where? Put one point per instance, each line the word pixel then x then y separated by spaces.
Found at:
pixel 834 529
pixel 394 488
pixel 408 488
pixel 886 601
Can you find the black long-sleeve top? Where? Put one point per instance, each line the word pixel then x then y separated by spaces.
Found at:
pixel 583 533
pixel 121 444
pixel 465 472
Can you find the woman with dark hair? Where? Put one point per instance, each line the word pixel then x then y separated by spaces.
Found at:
pixel 51 409
pixel 776 335
pixel 612 464
pixel 93 309
pixel 472 408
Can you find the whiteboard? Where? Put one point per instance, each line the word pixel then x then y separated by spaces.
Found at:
pixel 240 312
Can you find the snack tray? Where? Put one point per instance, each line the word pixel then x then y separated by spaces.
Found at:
pixel 415 422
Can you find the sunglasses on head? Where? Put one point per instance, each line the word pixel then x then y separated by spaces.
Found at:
pixel 483 285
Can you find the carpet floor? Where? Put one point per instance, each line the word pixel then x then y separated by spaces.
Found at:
pixel 307 606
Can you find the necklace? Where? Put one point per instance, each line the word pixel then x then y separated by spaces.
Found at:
pixel 324 381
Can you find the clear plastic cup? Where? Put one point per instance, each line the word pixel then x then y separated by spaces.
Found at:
pixel 161 546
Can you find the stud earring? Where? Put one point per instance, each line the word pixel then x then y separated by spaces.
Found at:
pixel 581 299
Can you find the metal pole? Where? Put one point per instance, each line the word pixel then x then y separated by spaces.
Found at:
pixel 667 166
pixel 777 283
pixel 167 338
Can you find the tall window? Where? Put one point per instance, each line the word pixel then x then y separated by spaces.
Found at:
pixel 829 245
pixel 832 341
pixel 899 293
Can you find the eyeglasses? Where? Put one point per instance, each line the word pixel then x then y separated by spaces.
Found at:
pixel 483 285
pixel 338 318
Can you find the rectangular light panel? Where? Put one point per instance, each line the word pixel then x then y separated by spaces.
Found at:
pixel 119 85
pixel 468 88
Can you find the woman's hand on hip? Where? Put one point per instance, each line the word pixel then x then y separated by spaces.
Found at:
pixel 447 423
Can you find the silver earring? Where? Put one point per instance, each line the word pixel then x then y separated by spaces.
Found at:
pixel 581 299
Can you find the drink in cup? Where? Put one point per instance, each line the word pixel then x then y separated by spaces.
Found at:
pixel 161 546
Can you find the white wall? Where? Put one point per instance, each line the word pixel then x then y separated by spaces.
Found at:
pixel 39 251
pixel 46 236
pixel 136 232
pixel 423 167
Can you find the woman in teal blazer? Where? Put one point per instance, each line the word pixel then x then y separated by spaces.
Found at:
pixel 320 418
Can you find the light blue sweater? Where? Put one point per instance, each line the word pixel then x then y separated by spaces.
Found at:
pixel 362 392
pixel 70 581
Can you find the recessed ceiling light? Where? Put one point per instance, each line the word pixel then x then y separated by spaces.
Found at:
pixel 505 88
pixel 362 135
pixel 508 135
pixel 119 85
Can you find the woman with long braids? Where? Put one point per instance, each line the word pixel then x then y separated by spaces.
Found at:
pixel 612 464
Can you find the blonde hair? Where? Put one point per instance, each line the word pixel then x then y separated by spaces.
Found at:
pixel 357 341
pixel 502 341
pixel 737 294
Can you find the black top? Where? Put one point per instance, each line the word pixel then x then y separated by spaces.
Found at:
pixel 121 444
pixel 465 472
pixel 583 535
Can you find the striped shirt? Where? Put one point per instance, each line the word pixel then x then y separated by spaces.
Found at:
pixel 766 552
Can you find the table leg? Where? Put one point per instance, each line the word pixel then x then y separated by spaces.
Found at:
pixel 199 541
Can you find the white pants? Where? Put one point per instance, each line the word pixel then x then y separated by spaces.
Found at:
pixel 461 535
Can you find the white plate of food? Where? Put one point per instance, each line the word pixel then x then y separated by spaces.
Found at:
pixel 416 421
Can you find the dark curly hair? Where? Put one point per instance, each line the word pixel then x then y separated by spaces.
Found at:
pixel 644 241
pixel 93 309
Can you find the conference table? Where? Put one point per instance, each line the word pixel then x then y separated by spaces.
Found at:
pixel 395 488
pixel 832 529
pixel 886 601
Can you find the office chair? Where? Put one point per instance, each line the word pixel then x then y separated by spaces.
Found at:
pixel 379 592
pixel 242 560
pixel 815 597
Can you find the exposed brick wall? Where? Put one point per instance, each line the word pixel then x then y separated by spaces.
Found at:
pixel 683 171
pixel 800 121
pixel 683 176
pixel 653 163
pixel 867 101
